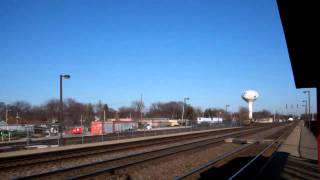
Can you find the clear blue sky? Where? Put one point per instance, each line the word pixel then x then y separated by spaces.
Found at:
pixel 210 51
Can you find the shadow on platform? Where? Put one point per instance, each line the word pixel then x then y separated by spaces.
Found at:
pixel 282 166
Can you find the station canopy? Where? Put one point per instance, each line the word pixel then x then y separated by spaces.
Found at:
pixel 300 21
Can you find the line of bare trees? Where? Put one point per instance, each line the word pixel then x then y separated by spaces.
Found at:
pixel 23 112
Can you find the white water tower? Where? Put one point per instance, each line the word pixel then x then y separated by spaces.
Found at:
pixel 250 96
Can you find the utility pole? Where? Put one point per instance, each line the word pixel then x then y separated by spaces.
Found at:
pixel 141 106
pixel 306 110
pixel 62 76
pixel 184 102
pixel 82 129
pixel 226 112
pixel 7 110
pixel 100 110
pixel 17 118
pixel 309 118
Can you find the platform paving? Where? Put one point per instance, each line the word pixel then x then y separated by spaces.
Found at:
pixel 308 144
pixel 291 144
pixel 296 157
pixel 300 143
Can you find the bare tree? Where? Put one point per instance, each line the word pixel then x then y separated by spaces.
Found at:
pixel 52 110
pixel 262 114
pixel 243 114
pixel 2 111
pixel 127 112
pixel 213 112
pixel 73 112
pixel 171 110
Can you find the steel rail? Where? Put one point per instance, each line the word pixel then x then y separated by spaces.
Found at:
pixel 112 136
pixel 72 153
pixel 193 171
pixel 196 145
pixel 252 160
pixel 224 156
pixel 258 155
pixel 147 159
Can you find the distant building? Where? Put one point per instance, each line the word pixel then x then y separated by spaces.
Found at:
pixel 14 127
pixel 120 119
pixel 160 122
pixel 201 120
pixel 264 120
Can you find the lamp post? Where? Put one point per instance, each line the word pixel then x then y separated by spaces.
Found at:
pixel 184 102
pixel 226 113
pixel 141 108
pixel 62 76
pixel 308 93
pixel 82 128
pixel 306 108
pixel 219 116
pixel 7 110
pixel 17 118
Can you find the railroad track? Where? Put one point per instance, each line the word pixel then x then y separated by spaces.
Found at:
pixel 112 165
pixel 33 159
pixel 21 145
pixel 247 170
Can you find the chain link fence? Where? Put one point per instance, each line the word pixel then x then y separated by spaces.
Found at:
pixel 18 137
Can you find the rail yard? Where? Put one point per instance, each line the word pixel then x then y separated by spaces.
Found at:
pixel 182 155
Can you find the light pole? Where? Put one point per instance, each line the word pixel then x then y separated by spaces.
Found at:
pixel 141 108
pixel 184 102
pixel 226 113
pixel 219 116
pixel 17 118
pixel 306 109
pixel 308 92
pixel 82 128
pixel 62 76
pixel 7 110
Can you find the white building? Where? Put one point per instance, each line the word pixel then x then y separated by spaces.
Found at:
pixel 209 120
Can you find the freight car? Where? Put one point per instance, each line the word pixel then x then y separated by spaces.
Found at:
pixel 100 127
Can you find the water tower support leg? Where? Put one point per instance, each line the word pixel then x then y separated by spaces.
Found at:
pixel 250 110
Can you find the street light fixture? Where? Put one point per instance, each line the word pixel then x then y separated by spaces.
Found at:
pixel 184 102
pixel 226 113
pixel 62 76
pixel 306 109
pixel 17 118
pixel 308 93
pixel 7 110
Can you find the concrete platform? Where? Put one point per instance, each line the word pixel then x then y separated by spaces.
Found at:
pixel 291 144
pixel 296 157
pixel 300 143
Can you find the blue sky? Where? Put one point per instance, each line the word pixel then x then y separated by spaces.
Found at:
pixel 210 51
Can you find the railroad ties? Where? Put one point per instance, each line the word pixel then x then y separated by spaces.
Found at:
pixel 180 156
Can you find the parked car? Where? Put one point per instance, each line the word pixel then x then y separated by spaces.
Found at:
pixel 76 130
pixel 148 127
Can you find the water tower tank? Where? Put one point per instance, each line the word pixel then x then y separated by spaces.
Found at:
pixel 250 96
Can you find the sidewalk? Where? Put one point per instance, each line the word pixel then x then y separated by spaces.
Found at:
pixel 291 144
pixel 296 157
pixel 308 144
pixel 300 143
